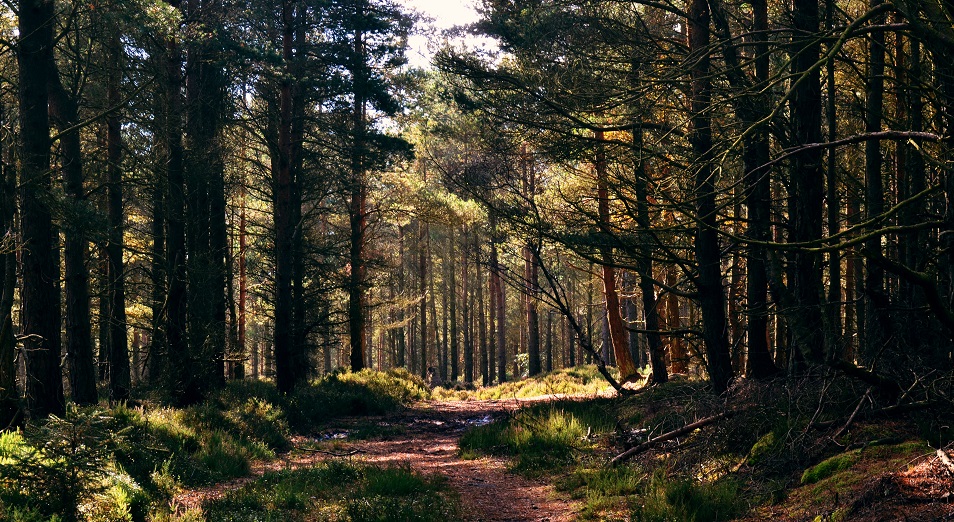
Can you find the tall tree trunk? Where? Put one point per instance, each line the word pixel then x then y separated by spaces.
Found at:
pixel 120 380
pixel 835 349
pixel 453 296
pixel 79 336
pixel 485 361
pixel 423 241
pixel 468 308
pixel 708 255
pixel 530 281
pixel 402 330
pixel 357 208
pixel 9 397
pixel 288 372
pixel 877 318
pixel 807 183
pixel 644 266
pixel 499 302
pixel 617 333
pixel 179 364
pixel 549 349
pixel 40 300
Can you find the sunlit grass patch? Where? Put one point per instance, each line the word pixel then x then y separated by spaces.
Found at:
pixel 580 380
pixel 542 437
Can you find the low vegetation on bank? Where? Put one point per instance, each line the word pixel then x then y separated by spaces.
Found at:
pixel 127 463
pixel 780 450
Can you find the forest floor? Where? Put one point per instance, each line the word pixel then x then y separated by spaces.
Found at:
pixel 424 437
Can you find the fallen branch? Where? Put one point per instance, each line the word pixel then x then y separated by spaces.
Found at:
pixel 333 454
pixel 853 415
pixel 942 456
pixel 688 428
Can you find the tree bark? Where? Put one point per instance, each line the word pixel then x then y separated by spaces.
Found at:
pixel 617 333
pixel 9 397
pixel 807 183
pixel 357 209
pixel 40 299
pixel 120 379
pixel 179 359
pixel 64 112
pixel 877 319
pixel 708 255
pixel 499 303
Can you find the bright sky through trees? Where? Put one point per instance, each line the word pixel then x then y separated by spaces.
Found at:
pixel 445 14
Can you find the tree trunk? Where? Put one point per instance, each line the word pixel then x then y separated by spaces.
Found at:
pixel 877 318
pixel 402 330
pixel 357 209
pixel 485 362
pixel 468 311
pixel 179 359
pixel 9 397
pixel 120 379
pixel 617 333
pixel 422 245
pixel 288 366
pixel 499 302
pixel 79 336
pixel 453 296
pixel 808 183
pixel 40 300
pixel 835 348
pixel 708 255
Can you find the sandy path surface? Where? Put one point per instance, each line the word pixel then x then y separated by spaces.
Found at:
pixel 426 439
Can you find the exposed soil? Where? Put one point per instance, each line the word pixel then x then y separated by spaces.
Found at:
pixel 425 437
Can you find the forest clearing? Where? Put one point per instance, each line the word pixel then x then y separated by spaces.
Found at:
pixel 551 260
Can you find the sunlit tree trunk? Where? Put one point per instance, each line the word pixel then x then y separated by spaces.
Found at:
pixel 617 333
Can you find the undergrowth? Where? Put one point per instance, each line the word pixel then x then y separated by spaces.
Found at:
pixel 125 463
pixel 767 458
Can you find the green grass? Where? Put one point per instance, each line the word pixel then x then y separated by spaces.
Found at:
pixel 601 488
pixel 667 499
pixel 580 380
pixel 338 491
pixel 542 437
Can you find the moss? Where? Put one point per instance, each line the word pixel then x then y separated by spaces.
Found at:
pixel 829 467
pixel 762 448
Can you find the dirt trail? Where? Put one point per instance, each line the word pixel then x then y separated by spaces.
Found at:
pixel 426 438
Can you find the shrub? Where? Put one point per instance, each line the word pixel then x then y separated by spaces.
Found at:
pixel 52 467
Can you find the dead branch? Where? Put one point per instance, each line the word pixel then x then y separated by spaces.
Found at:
pixel 333 454
pixel 853 415
pixel 890 410
pixel 942 456
pixel 688 428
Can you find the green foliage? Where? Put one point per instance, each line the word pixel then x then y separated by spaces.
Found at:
pixel 542 437
pixel 338 491
pixel 54 466
pixel 681 500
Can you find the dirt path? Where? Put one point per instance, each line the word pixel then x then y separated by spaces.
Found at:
pixel 426 437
